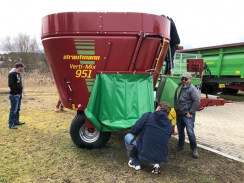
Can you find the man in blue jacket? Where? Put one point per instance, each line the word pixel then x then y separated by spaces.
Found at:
pixel 15 95
pixel 186 102
pixel 153 146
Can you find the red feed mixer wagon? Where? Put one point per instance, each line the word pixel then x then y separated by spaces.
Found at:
pixel 106 66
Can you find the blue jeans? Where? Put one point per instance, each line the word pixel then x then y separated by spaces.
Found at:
pixel 15 103
pixel 135 160
pixel 188 123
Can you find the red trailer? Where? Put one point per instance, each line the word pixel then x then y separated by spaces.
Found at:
pixel 105 66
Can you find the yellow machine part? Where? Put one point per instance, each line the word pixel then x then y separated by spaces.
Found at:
pixel 172 116
pixel 221 85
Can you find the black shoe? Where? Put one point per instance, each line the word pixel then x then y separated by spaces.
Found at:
pixel 195 154
pixel 19 123
pixel 136 167
pixel 156 169
pixel 13 127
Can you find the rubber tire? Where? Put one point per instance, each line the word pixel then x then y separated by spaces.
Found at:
pixel 211 89
pixel 89 141
pixel 222 91
pixel 232 91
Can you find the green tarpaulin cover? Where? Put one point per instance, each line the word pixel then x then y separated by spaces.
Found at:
pixel 117 101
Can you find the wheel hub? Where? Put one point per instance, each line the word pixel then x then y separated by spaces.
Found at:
pixel 89 135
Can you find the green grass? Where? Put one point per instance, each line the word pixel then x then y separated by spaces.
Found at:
pixel 237 97
pixel 42 151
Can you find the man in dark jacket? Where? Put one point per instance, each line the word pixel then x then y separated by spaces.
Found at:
pixel 174 42
pixel 186 102
pixel 15 95
pixel 153 146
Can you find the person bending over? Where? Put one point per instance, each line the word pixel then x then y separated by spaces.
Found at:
pixel 153 146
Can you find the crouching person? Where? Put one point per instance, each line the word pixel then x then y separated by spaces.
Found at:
pixel 152 146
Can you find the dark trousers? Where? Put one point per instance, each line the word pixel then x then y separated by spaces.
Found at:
pixel 186 123
pixel 15 103
pixel 167 59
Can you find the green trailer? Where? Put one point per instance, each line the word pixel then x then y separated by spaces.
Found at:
pixel 224 67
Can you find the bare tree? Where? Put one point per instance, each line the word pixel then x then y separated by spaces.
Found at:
pixel 21 48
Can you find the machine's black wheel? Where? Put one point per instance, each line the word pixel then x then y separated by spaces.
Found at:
pixel 232 91
pixel 83 138
pixel 210 89
pixel 221 91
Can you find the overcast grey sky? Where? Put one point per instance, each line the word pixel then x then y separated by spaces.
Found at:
pixel 200 23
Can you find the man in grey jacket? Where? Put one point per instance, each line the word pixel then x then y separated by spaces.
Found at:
pixel 186 102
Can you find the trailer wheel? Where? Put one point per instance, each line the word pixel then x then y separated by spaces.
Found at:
pixel 211 89
pixel 232 91
pixel 221 91
pixel 82 138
